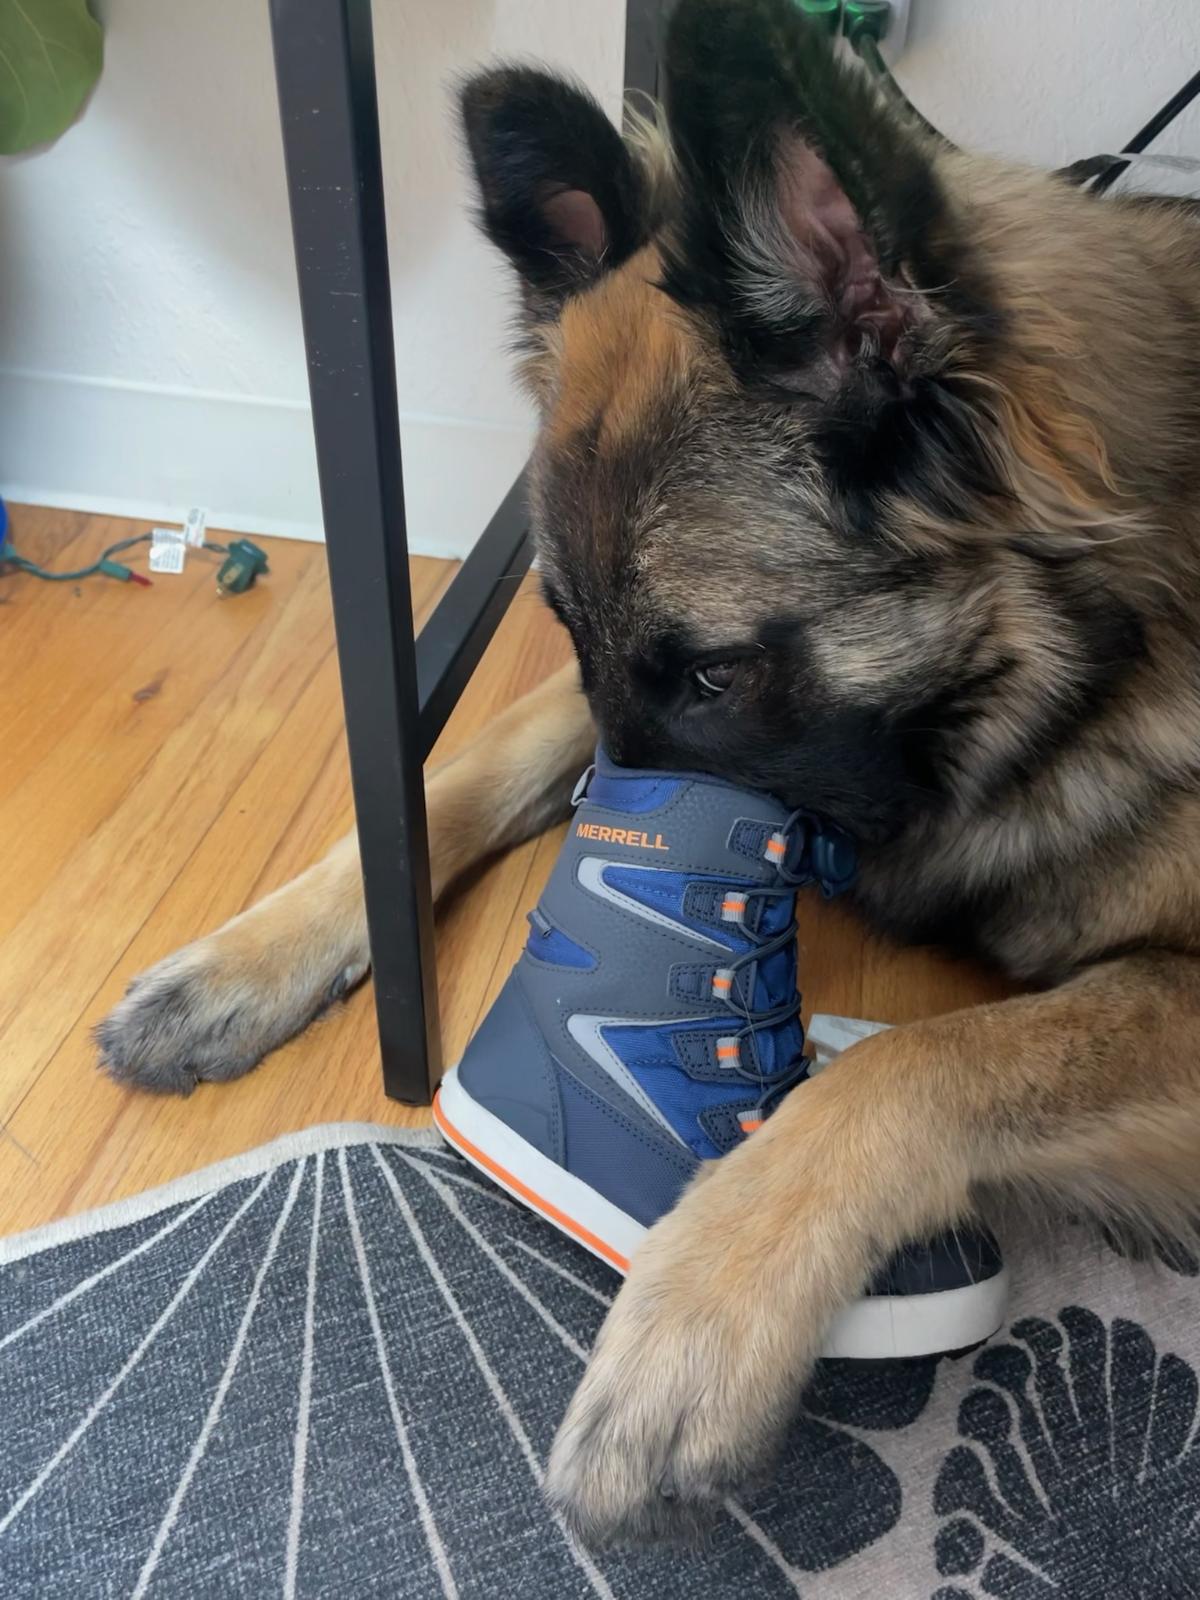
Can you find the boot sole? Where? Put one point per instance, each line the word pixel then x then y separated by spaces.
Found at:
pixel 874 1328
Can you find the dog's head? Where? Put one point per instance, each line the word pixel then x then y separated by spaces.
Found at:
pixel 805 501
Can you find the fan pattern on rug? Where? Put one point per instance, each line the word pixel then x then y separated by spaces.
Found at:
pixel 336 1371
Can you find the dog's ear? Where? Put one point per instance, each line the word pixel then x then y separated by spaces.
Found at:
pixel 558 191
pixel 813 222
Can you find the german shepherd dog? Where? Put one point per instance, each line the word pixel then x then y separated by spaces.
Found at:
pixel 868 474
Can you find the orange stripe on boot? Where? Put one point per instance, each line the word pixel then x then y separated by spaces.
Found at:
pixel 531 1198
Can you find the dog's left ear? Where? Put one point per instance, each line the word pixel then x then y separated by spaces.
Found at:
pixel 813 222
pixel 559 193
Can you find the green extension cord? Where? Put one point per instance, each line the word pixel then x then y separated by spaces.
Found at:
pixel 864 23
pixel 105 565
pixel 244 561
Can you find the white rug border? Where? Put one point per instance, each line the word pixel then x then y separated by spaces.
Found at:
pixel 250 1164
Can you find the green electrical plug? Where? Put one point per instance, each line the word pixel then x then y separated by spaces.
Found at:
pixel 243 563
pixel 870 19
pixel 825 14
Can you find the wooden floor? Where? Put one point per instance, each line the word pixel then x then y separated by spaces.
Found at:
pixel 168 756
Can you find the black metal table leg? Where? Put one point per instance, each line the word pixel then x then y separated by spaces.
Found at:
pixel 643 44
pixel 457 634
pixel 325 73
pixel 397 694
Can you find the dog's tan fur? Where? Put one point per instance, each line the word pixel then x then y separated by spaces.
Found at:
pixel 614 355
pixel 1086 874
pixel 212 1010
pixel 1091 1091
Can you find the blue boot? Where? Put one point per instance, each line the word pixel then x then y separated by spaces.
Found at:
pixel 653 1022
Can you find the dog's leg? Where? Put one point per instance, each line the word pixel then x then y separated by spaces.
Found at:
pixel 1089 1094
pixel 214 1009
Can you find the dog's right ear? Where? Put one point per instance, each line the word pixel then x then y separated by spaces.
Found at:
pixel 558 191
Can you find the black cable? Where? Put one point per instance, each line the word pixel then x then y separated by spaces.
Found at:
pixel 1102 171
pixel 1081 172
pixel 1161 118
pixel 1150 132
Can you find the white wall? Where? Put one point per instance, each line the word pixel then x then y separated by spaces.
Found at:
pixel 150 353
pixel 1050 81
pixel 150 346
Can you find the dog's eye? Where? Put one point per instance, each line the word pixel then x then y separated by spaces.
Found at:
pixel 714 678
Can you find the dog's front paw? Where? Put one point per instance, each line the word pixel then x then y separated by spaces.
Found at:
pixel 212 1011
pixel 686 1398
pixel 656 1437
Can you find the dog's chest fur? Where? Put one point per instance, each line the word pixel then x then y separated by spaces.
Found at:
pixel 1097 854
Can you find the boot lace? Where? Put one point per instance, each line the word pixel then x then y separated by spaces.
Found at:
pixel 813 852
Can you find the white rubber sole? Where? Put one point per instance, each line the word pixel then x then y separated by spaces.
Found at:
pixel 875 1328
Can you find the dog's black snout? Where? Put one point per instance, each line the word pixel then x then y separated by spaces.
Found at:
pixel 629 741
pixel 621 749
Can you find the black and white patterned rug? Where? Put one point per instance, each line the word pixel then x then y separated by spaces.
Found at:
pixel 334 1367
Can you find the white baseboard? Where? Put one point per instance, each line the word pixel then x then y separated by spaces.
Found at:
pixel 135 450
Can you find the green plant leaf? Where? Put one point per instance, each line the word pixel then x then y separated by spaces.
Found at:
pixel 50 56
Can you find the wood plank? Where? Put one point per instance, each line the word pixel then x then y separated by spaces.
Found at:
pixel 125 815
pixel 224 668
pixel 138 824
pixel 76 640
pixel 79 1139
pixel 123 1141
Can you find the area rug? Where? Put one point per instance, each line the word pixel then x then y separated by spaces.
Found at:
pixel 334 1367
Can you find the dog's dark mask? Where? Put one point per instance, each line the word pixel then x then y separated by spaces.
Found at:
pixel 759 348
